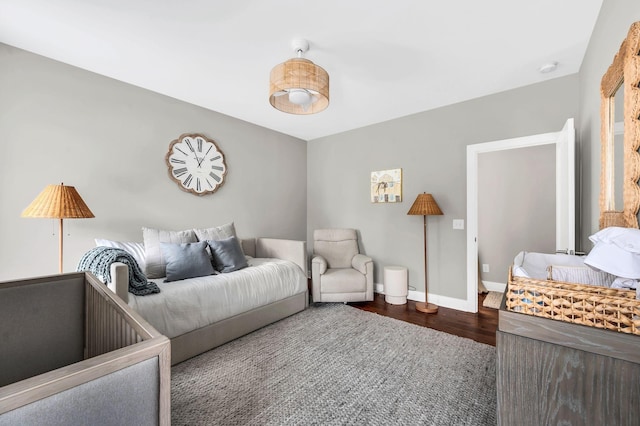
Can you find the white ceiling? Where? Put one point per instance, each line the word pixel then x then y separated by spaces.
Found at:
pixel 385 58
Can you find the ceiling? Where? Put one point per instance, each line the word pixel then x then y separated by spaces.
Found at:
pixel 386 59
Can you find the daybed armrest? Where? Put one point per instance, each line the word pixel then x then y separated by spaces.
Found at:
pixel 120 280
pixel 293 250
pixel 360 262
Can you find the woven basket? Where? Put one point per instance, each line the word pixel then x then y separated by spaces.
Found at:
pixel 594 306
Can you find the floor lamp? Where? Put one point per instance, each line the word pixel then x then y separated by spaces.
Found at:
pixel 425 205
pixel 58 202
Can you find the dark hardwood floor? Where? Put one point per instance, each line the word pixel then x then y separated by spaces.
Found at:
pixel 480 326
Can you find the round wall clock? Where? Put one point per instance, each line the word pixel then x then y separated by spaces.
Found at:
pixel 196 164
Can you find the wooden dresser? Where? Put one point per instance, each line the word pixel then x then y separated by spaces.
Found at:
pixel 553 372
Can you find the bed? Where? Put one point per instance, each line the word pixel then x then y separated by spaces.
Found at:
pixel 190 304
pixel 200 313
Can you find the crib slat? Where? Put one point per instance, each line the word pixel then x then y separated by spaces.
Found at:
pixel 106 327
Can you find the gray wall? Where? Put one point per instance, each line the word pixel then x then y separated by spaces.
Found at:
pixel 59 123
pixel 516 206
pixel 611 28
pixel 430 147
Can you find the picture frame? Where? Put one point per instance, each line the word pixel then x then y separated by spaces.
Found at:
pixel 386 186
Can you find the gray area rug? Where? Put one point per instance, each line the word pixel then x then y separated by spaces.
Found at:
pixel 333 364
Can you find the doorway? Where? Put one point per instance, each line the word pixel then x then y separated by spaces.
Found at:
pixel 564 142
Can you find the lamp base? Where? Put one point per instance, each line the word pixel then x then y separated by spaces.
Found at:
pixel 428 308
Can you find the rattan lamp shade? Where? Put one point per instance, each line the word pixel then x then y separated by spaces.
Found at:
pixel 299 73
pixel 425 205
pixel 58 202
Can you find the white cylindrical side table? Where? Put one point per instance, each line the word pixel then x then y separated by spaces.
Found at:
pixel 395 285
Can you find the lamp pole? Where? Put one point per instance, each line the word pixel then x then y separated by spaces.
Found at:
pixel 426 307
pixel 60 246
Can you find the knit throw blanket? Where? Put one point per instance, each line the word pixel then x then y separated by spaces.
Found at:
pixel 98 261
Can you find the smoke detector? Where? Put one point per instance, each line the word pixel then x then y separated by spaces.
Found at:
pixel 548 67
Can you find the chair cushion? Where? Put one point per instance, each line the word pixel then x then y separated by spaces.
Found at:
pixel 342 280
pixel 337 246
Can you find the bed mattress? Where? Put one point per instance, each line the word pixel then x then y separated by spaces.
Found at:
pixel 186 305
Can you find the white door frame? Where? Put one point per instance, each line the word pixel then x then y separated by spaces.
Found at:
pixel 472 197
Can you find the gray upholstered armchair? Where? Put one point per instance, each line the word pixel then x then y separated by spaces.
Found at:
pixel 339 273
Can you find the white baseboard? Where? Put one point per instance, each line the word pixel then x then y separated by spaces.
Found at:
pixel 493 286
pixel 444 301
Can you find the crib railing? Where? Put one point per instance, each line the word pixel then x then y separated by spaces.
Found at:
pixel 115 338
pixel 107 326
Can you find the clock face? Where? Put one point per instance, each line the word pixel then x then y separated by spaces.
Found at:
pixel 196 164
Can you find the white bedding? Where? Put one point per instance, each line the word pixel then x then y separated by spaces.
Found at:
pixel 534 265
pixel 559 267
pixel 186 305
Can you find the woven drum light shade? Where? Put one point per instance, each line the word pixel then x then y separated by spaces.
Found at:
pixel 58 202
pixel 299 73
pixel 425 205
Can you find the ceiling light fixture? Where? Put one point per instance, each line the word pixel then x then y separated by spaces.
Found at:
pixel 298 86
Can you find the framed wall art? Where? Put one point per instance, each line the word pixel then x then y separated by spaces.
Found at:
pixel 386 186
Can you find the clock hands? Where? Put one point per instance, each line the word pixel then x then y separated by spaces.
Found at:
pixel 203 157
pixel 199 160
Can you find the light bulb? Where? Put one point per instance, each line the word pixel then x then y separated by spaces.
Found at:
pixel 299 97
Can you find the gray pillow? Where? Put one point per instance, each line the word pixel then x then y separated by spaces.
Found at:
pixel 155 263
pixel 227 254
pixel 186 260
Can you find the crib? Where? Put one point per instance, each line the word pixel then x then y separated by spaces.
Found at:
pixel 73 353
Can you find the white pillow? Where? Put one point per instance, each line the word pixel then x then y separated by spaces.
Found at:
pixel 134 249
pixel 627 239
pixel 611 258
pixel 616 251
pixel 155 262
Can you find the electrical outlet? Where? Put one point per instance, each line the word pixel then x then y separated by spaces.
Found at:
pixel 485 267
pixel 458 223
